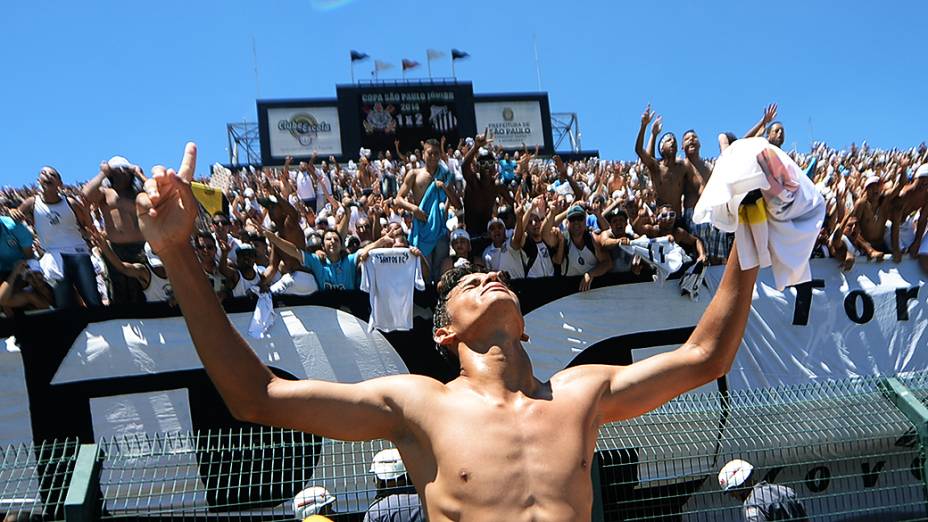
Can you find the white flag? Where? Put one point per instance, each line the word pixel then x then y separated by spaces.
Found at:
pixel 432 54
pixel 382 66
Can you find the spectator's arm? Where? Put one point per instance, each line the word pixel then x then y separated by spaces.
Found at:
pixel 381 242
pixel 8 287
pixel 603 263
pixel 402 157
pixel 919 231
pixel 402 194
pixel 770 112
pixel 645 157
pixel 92 191
pixel 518 234
pixel 560 251
pixel 230 274
pixel 285 246
pixel 25 213
pixel 707 355
pixel 655 131
pixel 134 270
pixel 451 191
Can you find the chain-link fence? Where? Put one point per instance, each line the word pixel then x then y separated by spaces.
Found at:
pixel 849 450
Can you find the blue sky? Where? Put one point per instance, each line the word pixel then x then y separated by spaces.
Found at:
pixel 86 80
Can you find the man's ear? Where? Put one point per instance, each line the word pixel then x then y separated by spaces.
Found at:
pixel 524 337
pixel 444 336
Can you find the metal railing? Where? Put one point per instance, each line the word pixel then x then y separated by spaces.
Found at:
pixel 850 450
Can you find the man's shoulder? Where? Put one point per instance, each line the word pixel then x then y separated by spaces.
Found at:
pixel 583 377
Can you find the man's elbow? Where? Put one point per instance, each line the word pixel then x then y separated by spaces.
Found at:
pixel 711 365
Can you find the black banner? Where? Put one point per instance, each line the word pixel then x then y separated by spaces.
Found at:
pixel 385 112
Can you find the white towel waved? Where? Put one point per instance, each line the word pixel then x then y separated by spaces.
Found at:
pixel 778 230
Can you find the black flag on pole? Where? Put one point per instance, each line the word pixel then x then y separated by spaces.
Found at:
pixel 457 54
pixel 357 56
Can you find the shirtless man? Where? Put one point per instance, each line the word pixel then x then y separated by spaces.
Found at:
pixel 913 198
pixel 117 203
pixel 530 458
pixel 411 194
pixel 481 190
pixel 697 175
pixel 872 211
pixel 664 225
pixel 669 175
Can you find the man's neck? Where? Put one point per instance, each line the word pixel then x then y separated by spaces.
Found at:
pixel 501 370
pixel 577 238
pixel 51 197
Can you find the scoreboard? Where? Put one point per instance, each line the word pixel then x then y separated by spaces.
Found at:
pixel 376 115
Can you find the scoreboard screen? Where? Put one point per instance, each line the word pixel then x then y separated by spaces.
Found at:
pixel 408 113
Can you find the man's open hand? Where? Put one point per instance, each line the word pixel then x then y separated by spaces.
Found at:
pixel 167 208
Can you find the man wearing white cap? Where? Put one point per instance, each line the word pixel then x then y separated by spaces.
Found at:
pixel 397 500
pixel 314 500
pixel 460 246
pixel 913 199
pixel 872 210
pixel 761 501
pixel 113 190
pixel 494 443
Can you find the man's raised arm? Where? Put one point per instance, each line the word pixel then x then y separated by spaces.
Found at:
pixel 770 112
pixel 167 210
pixel 706 355
pixel 645 157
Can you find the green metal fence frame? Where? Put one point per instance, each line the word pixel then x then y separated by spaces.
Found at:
pixel 83 503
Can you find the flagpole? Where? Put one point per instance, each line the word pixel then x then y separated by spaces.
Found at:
pixel 428 60
pixel 453 75
pixel 351 66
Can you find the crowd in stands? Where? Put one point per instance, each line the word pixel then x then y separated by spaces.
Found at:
pixel 310 225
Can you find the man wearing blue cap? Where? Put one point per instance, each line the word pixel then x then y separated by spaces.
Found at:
pixel 581 255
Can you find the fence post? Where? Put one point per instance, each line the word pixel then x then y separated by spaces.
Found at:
pixel 81 503
pixel 598 515
pixel 917 414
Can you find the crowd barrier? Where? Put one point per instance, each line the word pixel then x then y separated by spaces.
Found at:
pixel 851 450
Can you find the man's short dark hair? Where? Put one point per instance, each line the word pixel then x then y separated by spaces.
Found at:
pixel 441 318
pixel 618 212
pixel 661 141
pixel 432 142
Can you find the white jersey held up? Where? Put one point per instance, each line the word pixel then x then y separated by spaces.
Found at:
pixel 778 230
pixel 390 276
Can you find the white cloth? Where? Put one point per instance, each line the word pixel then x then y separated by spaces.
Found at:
pixel 295 283
pixel 52 266
pixel 390 275
pixel 782 230
pixel 263 318
pixel 664 255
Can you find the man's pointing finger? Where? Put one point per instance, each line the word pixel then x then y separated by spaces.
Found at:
pixel 189 163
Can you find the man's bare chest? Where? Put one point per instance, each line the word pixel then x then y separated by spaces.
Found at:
pixel 487 447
